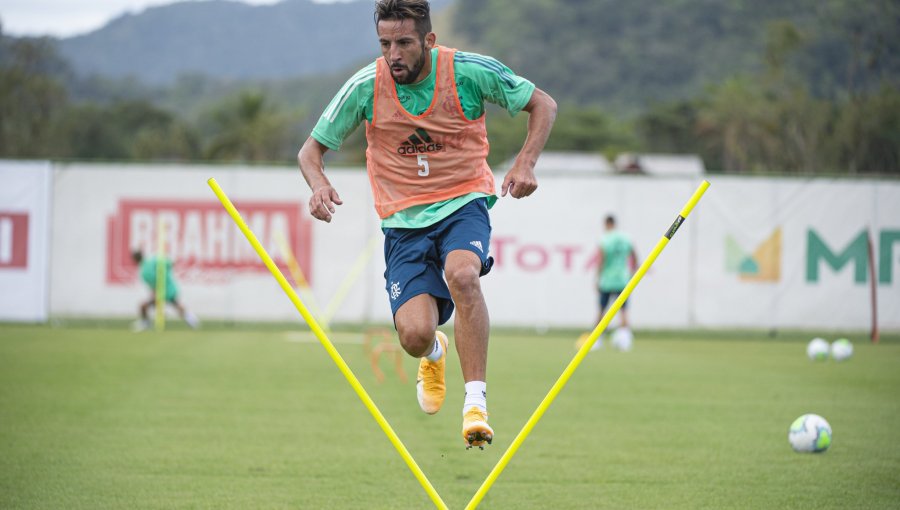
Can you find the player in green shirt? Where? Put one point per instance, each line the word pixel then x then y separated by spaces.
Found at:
pixel 478 79
pixel 616 260
pixel 147 268
pixel 436 250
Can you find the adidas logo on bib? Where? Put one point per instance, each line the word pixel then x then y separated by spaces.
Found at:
pixel 419 142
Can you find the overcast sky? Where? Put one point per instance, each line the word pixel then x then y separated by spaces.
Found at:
pixel 63 18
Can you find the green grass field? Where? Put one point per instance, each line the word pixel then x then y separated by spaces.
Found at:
pixel 99 417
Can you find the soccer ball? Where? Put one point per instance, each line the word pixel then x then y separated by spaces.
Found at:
pixel 841 349
pixel 817 349
pixel 622 339
pixel 810 433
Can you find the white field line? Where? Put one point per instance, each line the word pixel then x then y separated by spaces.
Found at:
pixel 307 337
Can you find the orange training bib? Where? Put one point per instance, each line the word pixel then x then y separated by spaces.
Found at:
pixel 439 155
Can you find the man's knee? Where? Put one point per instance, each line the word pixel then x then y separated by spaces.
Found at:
pixel 463 280
pixel 416 320
pixel 416 339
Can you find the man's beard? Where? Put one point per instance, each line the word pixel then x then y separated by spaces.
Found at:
pixel 413 73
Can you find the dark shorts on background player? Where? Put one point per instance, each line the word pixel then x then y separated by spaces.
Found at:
pixel 606 295
pixel 415 257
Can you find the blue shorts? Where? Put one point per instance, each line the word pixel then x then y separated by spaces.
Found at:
pixel 605 295
pixel 415 257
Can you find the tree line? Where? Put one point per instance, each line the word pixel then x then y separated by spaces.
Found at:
pixel 46 111
pixel 786 86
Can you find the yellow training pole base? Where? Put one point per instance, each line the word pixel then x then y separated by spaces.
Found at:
pixel 585 348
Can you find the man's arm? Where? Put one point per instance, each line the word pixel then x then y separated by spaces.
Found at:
pixel 324 197
pixel 520 180
pixel 601 261
pixel 633 260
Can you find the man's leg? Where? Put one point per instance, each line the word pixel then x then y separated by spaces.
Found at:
pixel 186 314
pixel 416 321
pixel 462 270
pixel 604 300
pixel 145 308
pixel 143 323
pixel 472 323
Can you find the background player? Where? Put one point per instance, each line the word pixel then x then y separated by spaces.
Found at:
pixel 147 270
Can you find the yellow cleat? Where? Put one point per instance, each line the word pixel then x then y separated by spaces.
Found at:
pixel 430 387
pixel 476 431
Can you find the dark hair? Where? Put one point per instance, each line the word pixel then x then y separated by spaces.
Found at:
pixel 416 10
pixel 610 220
pixel 137 256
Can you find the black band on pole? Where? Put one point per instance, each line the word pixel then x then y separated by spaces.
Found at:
pixel 674 228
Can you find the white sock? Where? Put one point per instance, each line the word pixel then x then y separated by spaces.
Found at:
pixel 476 396
pixel 191 319
pixel 437 352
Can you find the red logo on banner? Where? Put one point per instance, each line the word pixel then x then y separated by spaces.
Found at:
pixel 13 240
pixel 202 239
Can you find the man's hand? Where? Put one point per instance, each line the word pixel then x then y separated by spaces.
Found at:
pixel 324 197
pixel 322 203
pixel 519 181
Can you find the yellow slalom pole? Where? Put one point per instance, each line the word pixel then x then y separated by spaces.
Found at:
pixel 335 356
pixel 160 315
pixel 585 348
pixel 349 280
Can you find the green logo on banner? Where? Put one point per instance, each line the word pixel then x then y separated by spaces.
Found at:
pixel 856 253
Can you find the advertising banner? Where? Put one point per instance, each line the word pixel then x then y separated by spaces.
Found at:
pixel 793 253
pixel 755 253
pixel 24 232
pixel 218 273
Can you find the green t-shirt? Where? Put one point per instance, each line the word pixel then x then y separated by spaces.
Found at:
pixel 614 274
pixel 479 79
pixel 148 274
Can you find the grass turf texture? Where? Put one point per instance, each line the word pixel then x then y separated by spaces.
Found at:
pixel 103 418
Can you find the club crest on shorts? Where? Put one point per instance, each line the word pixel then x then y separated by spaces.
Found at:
pixel 395 290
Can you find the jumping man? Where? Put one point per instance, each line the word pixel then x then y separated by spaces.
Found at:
pixel 423 108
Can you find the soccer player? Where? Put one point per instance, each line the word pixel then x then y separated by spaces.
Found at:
pixel 423 108
pixel 616 262
pixel 147 270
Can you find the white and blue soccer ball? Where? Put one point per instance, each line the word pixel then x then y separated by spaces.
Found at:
pixel 810 433
pixel 817 349
pixel 841 349
pixel 623 339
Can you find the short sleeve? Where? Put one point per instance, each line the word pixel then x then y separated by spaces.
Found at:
pixel 347 110
pixel 480 78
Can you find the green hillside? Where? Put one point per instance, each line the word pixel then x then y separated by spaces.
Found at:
pixel 628 55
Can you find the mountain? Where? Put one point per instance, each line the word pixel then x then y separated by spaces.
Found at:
pixel 227 39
